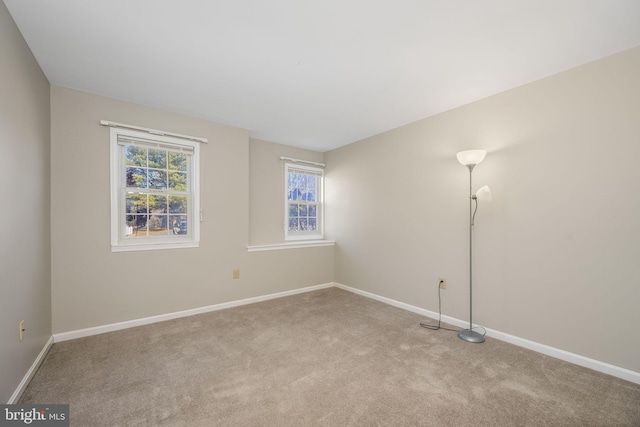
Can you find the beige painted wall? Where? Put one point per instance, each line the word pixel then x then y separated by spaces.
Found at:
pixel 556 254
pixel 25 286
pixel 93 286
pixel 266 175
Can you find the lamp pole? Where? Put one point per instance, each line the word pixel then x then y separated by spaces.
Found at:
pixel 470 248
pixel 470 335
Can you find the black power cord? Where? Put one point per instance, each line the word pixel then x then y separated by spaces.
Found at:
pixel 438 327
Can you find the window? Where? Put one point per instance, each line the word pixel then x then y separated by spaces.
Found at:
pixel 303 202
pixel 154 191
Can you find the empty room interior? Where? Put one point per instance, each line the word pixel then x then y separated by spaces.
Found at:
pixel 267 213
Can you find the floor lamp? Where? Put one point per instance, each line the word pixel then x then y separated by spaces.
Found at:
pixel 470 159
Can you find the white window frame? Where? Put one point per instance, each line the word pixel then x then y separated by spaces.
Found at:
pixel 118 195
pixel 318 234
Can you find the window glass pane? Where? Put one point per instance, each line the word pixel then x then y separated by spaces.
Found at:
pixel 302 210
pixel 136 225
pixel 303 224
pixel 293 210
pixel 301 183
pixel 157 225
pixel 311 188
pixel 128 226
pixel 136 203
pixel 177 204
pixel 177 181
pixel 157 179
pixel 312 210
pixel 177 161
pixel 312 224
pixel 157 158
pixel 157 204
pixel 291 190
pixel 136 156
pixel 308 194
pixel 293 224
pixel 136 177
pixel 178 224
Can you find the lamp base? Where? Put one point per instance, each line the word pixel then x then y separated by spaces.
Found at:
pixel 471 336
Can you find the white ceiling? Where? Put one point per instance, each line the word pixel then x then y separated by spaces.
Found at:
pixel 318 74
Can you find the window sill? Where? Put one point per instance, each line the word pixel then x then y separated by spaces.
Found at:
pixel 153 247
pixel 291 245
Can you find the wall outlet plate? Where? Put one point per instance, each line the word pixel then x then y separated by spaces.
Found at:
pixel 443 283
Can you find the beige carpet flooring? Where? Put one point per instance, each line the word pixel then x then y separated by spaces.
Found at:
pixel 324 358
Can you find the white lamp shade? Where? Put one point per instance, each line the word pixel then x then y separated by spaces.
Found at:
pixel 471 157
pixel 484 194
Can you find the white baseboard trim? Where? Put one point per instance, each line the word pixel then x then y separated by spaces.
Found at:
pixel 576 359
pixel 31 372
pixel 80 333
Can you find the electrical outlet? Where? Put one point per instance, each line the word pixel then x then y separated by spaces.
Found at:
pixel 236 273
pixel 21 328
pixel 443 283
